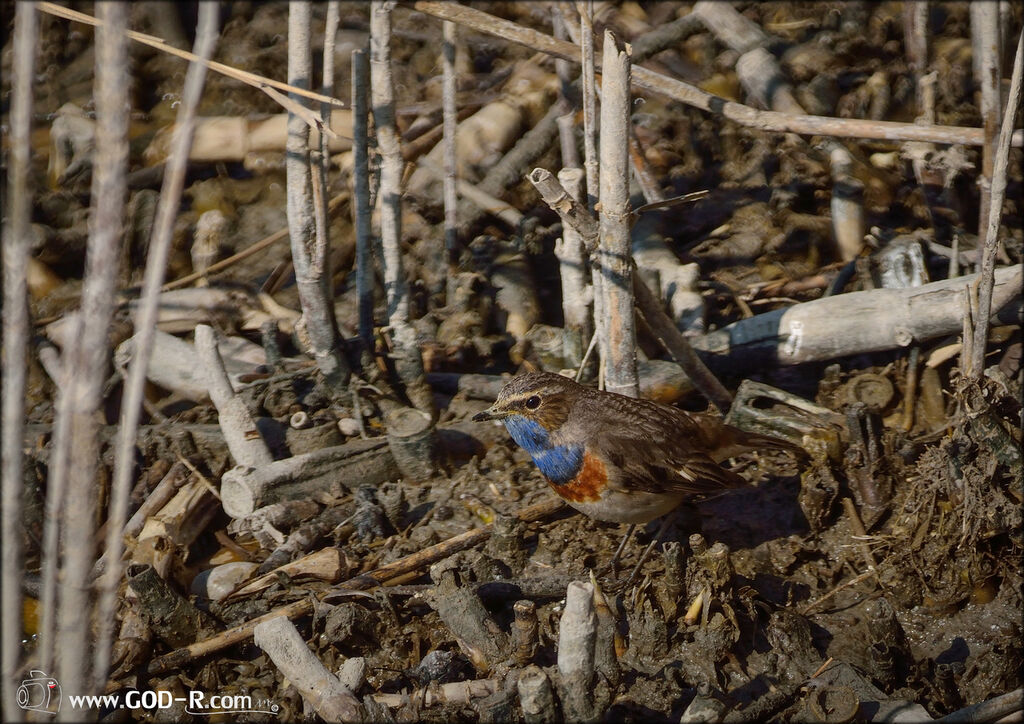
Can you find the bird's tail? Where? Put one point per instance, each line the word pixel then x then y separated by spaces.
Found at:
pixel 732 441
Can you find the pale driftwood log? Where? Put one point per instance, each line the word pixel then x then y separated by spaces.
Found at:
pixel 729 26
pixel 178 311
pixel 691 95
pixel 857 322
pixel 517 293
pixel 577 635
pixel 334 471
pixel 331 699
pixel 998 708
pixel 484 136
pixel 756 68
pixel 327 473
pixel 613 256
pixel 473 193
pixel 166 489
pixel 676 282
pixel 232 138
pixel 244 440
pixel 915 36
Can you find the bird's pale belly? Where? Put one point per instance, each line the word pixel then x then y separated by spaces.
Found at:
pixel 616 506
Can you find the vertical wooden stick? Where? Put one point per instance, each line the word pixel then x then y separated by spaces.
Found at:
pixel 145 331
pixel 987 74
pixel 614 250
pixel 449 121
pixel 308 245
pixel 16 246
pixel 361 197
pixel 572 267
pixel 88 356
pixel 988 258
pixel 408 363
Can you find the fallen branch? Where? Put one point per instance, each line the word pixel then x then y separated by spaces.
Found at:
pixel 771 121
pixel 321 689
pixel 855 323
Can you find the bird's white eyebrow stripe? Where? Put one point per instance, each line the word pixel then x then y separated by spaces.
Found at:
pixel 523 396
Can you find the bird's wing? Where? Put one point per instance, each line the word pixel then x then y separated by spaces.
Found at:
pixel 660 449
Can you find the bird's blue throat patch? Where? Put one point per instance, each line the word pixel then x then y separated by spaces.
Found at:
pixel 559 463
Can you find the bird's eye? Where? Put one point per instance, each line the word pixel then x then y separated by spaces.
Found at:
pixel 533 403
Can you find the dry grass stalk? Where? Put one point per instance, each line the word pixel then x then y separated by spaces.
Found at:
pixel 87 358
pixel 145 328
pixel 999 173
pixel 17 236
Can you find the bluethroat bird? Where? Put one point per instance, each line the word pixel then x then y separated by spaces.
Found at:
pixel 617 458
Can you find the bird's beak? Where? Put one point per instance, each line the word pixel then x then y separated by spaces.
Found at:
pixel 489 414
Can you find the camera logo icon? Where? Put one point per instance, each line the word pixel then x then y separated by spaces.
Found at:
pixel 39 693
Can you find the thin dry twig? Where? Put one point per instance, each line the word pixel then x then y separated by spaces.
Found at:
pixel 693 96
pixel 999 173
pixel 256 81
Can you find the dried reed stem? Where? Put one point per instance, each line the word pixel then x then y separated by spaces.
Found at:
pixel 17 240
pixel 145 330
pixel 613 257
pixel 88 355
pixel 361 197
pixel 988 258
pixel 408 362
pixel 308 238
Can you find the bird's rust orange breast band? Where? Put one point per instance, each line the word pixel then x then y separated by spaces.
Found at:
pixel 588 484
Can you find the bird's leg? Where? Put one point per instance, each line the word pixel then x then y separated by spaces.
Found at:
pixel 669 519
pixel 610 569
